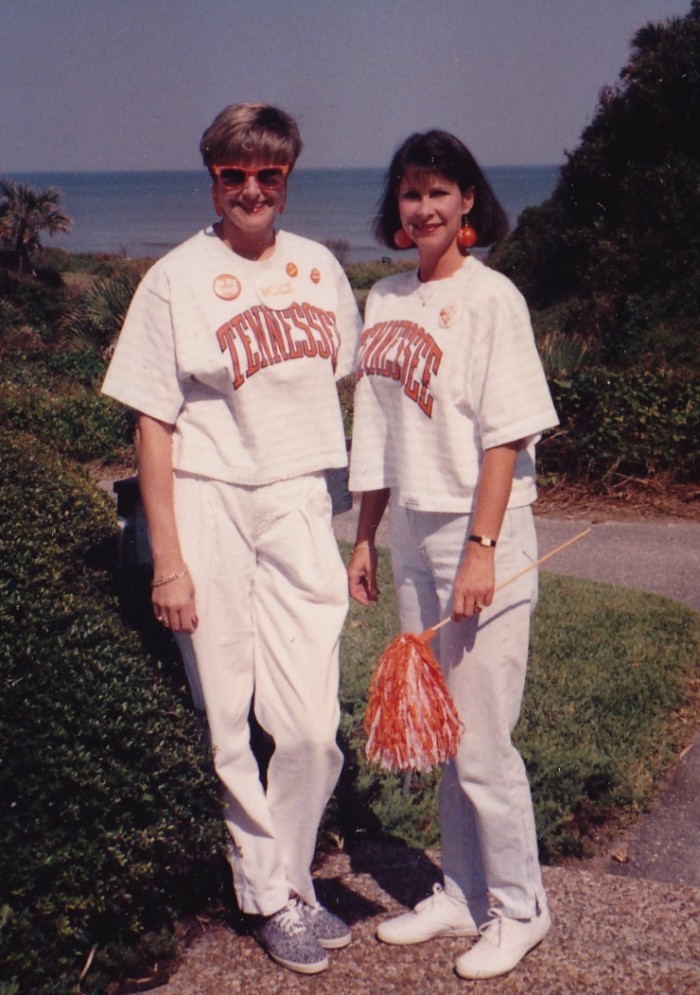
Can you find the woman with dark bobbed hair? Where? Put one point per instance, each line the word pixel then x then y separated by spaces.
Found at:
pixel 422 152
pixel 450 400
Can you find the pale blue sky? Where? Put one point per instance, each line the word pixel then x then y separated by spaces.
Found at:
pixel 131 84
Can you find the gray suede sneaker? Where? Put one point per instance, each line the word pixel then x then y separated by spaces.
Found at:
pixel 330 930
pixel 288 939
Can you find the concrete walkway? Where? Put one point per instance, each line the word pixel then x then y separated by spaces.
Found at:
pixel 618 928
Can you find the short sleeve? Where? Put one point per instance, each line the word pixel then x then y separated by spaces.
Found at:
pixel 513 399
pixel 349 324
pixel 143 371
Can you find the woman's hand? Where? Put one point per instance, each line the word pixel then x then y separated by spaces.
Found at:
pixel 362 574
pixel 174 604
pixel 475 582
pixel 476 577
pixel 362 569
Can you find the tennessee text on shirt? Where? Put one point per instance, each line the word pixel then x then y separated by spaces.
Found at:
pixel 260 337
pixel 405 352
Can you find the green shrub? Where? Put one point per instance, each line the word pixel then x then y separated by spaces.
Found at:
pixel 636 423
pixel 96 316
pixel 80 423
pixel 363 276
pixel 54 396
pixel 32 301
pixel 109 818
pixel 99 264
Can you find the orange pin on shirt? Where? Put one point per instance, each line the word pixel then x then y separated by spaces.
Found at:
pixel 292 269
pixel 447 315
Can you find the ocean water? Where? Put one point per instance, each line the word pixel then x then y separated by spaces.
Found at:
pixel 147 213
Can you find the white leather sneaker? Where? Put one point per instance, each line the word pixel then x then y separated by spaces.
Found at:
pixel 438 915
pixel 503 944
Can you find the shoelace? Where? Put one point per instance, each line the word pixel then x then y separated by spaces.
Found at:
pixel 493 929
pixel 438 892
pixel 289 919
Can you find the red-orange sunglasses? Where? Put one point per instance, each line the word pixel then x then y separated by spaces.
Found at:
pixel 270 177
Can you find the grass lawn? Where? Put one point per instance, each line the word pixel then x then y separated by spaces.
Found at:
pixel 609 702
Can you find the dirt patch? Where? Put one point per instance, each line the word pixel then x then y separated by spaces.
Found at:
pixel 622 499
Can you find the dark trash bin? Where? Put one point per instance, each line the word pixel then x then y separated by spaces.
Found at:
pixel 134 544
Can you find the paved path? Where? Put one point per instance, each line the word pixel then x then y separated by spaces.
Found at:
pixel 619 929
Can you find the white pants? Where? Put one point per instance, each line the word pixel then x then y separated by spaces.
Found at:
pixel 488 838
pixel 271 595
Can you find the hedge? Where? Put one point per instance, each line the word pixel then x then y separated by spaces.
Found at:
pixel 109 814
pixel 54 397
pixel 639 423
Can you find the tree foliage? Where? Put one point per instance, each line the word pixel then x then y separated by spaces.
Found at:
pixel 26 213
pixel 615 253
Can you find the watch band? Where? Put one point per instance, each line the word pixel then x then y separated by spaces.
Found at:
pixel 483 540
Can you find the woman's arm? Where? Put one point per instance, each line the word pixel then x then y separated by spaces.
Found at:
pixel 173 601
pixel 475 581
pixel 362 569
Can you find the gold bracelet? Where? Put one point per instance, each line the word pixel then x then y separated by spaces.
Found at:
pixel 365 542
pixel 171 577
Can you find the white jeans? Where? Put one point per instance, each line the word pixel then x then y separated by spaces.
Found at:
pixel 271 596
pixel 488 838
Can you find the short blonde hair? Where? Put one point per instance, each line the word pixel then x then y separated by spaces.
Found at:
pixel 243 132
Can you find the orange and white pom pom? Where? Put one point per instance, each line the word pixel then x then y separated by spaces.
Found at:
pixel 411 721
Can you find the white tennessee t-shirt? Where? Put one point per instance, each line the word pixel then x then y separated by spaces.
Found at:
pixel 242 357
pixel 446 370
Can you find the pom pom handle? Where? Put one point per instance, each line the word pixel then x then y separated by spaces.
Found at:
pixel 430 633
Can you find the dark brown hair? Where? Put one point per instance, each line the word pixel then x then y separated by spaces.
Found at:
pixel 441 154
pixel 243 132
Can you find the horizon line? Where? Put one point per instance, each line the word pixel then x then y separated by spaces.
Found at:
pixel 299 169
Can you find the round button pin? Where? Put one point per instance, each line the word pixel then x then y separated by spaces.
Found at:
pixel 447 315
pixel 227 286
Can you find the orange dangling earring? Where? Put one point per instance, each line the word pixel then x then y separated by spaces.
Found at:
pixel 466 236
pixel 402 240
pixel 217 202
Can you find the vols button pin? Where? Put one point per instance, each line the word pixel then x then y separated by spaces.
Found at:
pixel 292 269
pixel 275 293
pixel 227 287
